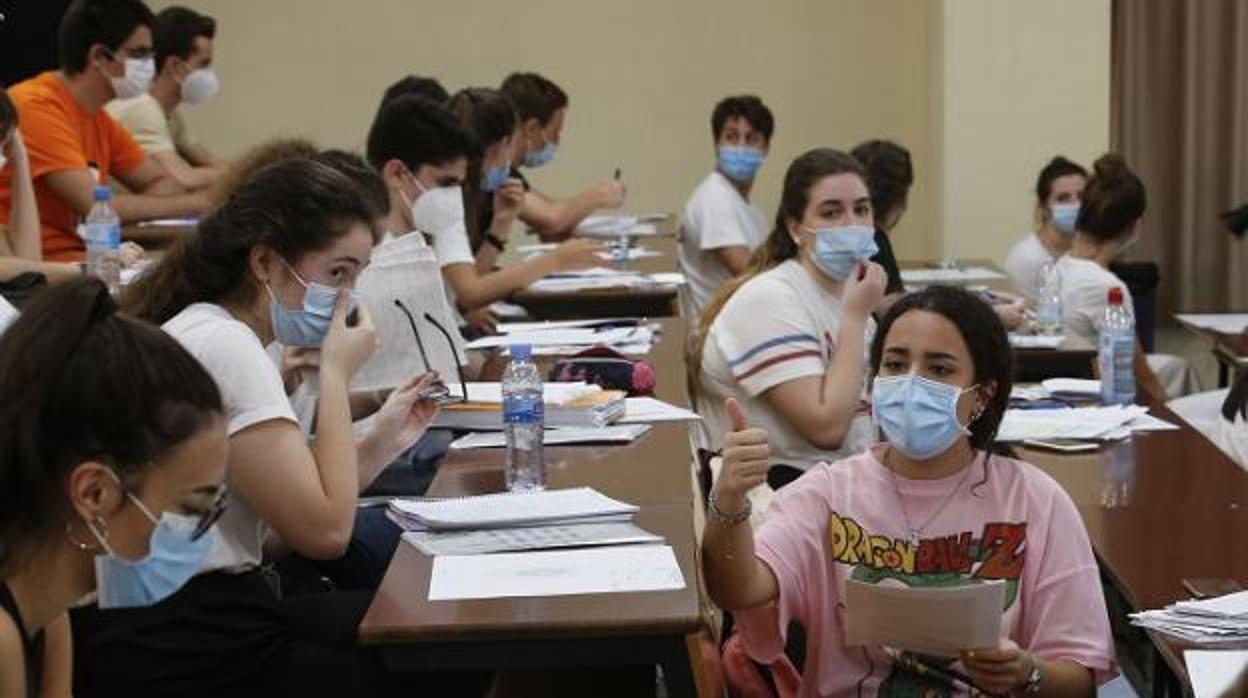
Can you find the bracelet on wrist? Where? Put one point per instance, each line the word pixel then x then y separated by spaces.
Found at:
pixel 730 519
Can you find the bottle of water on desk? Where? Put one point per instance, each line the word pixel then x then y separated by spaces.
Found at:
pixel 1116 352
pixel 1049 300
pixel 523 422
pixel 102 235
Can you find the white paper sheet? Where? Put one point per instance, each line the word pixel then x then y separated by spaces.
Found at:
pixel 1073 386
pixel 1036 341
pixel 7 314
pixel 934 620
pixel 572 336
pixel 543 326
pixel 932 276
pixel 528 538
pixel 506 509
pixel 1229 323
pixel 618 434
pixel 648 409
pixel 1213 672
pixel 555 573
pixel 1091 423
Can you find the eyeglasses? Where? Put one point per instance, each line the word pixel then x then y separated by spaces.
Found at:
pixel 220 501
pixel 439 392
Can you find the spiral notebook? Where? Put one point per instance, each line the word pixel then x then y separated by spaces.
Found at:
pixel 506 509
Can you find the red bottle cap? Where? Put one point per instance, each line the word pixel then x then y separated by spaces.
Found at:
pixel 1115 295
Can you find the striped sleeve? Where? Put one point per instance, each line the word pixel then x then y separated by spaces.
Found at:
pixel 769 339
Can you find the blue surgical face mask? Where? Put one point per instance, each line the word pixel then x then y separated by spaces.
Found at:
pixel 919 417
pixel 496 177
pixel 1064 217
pixel 174 556
pixel 838 249
pixel 307 326
pixel 537 158
pixel 740 163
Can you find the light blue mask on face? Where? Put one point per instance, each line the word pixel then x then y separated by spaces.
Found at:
pixel 537 158
pixel 495 177
pixel 838 249
pixel 174 556
pixel 740 163
pixel 919 417
pixel 307 326
pixel 1064 217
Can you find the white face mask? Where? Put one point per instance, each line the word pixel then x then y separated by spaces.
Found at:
pixel 137 78
pixel 199 86
pixel 438 209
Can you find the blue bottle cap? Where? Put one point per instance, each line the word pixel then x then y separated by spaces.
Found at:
pixel 521 352
pixel 102 193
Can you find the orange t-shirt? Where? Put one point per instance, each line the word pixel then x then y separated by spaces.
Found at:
pixel 60 136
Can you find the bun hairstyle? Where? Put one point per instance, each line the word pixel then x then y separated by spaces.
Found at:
pixel 79 382
pixel 1113 200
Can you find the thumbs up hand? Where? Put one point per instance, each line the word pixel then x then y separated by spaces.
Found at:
pixel 745 458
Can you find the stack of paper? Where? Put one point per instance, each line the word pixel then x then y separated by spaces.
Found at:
pixel 1092 423
pixel 511 509
pixel 566 405
pixel 1221 619
pixel 617 434
pixel 951 275
pixel 497 540
pixel 1036 341
pixel 939 621
pixel 638 338
pixel 613 226
pixel 623 280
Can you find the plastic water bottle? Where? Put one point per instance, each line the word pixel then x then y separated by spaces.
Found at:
pixel 102 233
pixel 524 422
pixel 1116 352
pixel 1049 300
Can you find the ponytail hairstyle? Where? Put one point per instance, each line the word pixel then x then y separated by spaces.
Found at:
pixel 80 382
pixel 799 179
pixel 256 159
pixel 985 338
pixel 491 117
pixel 1113 200
pixel 890 174
pixel 294 206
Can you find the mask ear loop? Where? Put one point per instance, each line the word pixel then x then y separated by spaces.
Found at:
pixel 979 411
pixel 101 538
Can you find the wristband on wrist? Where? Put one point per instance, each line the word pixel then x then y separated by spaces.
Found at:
pixel 730 519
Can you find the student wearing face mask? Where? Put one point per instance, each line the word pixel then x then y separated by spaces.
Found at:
pixel 542 108
pixel 183 41
pixel 111 473
pixel 74 145
pixel 276 261
pixel 1059 190
pixel 720 228
pixel 490 117
pixel 20 248
pixel 1110 219
pixel 941 377
pixel 787 338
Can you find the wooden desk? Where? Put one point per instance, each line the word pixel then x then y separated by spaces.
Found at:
pixel 1185 514
pixel 1230 350
pixel 566 631
pixel 655 302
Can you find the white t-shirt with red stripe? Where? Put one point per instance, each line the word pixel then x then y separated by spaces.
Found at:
pixel 779 326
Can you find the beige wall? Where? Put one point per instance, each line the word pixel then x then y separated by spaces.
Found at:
pixel 972 79
pixel 1014 83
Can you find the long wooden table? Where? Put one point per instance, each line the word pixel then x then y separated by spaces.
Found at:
pixel 644 628
pixel 1159 508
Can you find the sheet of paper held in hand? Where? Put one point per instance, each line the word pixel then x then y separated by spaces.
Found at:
pixel 939 621
pixel 555 573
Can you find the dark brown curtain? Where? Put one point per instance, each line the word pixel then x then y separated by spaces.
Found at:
pixel 1179 114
